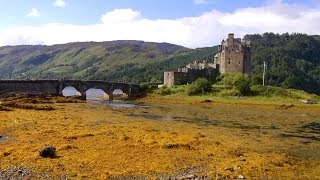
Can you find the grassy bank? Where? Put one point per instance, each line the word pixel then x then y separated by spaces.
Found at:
pixel 228 94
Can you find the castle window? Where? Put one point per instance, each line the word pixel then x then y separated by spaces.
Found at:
pixel 239 62
pixel 229 60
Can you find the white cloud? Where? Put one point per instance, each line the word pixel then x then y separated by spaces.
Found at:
pixel 59 3
pixel 207 29
pixel 200 1
pixel 34 13
pixel 120 15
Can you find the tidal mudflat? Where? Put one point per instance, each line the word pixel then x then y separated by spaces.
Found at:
pixel 159 139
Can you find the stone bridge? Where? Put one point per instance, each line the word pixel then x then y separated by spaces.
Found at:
pixel 55 87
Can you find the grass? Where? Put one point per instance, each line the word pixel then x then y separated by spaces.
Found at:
pixel 226 94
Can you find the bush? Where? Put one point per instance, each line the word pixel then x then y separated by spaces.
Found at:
pixel 225 79
pixel 201 85
pixel 144 86
pixel 270 91
pixel 241 83
pixel 256 79
pixel 164 90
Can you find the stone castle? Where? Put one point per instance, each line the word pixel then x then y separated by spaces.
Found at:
pixel 234 55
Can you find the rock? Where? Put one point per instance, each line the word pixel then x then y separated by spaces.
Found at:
pixel 206 101
pixel 229 169
pixel 243 159
pixel 286 106
pixel 308 101
pixel 48 151
pixel 241 177
pixel 236 168
pixel 6 154
pixel 190 176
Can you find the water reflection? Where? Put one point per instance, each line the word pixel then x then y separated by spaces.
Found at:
pixel 70 91
pixel 3 138
pixel 96 94
pixel 115 103
pixel 93 94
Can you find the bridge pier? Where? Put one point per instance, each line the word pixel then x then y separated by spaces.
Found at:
pixel 111 97
pixel 83 95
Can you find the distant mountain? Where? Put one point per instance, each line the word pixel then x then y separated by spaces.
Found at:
pixel 82 60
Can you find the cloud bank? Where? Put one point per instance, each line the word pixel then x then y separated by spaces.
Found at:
pixel 33 13
pixel 59 3
pixel 207 29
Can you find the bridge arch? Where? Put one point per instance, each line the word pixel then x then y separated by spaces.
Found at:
pixel 96 94
pixel 119 94
pixel 78 85
pixel 70 91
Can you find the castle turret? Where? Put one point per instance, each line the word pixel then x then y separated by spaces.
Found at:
pixel 230 39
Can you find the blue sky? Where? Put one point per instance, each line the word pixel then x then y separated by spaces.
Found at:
pixel 193 23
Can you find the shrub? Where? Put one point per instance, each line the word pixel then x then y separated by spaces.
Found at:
pixel 270 91
pixel 225 79
pixel 256 79
pixel 144 86
pixel 201 85
pixel 164 90
pixel 241 83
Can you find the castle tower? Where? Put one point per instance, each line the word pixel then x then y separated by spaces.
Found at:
pixel 233 56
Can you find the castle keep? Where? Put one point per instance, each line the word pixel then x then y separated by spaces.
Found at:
pixel 234 55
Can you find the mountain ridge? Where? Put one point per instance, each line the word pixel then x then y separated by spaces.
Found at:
pixel 33 60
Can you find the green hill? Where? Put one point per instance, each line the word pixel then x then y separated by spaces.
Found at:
pixel 293 60
pixel 83 60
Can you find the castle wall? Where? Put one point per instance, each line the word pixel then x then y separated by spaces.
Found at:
pixel 209 73
pixel 247 68
pixel 172 78
pixel 168 78
pixel 232 61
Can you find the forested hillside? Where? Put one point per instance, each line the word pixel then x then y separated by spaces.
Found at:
pixel 293 61
pixel 81 60
pixel 153 72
